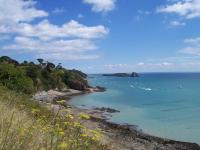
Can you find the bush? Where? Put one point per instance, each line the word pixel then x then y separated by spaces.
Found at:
pixel 14 79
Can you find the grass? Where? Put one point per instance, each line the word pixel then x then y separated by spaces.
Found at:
pixel 25 124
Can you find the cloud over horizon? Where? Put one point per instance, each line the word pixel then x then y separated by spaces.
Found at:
pixel 193 46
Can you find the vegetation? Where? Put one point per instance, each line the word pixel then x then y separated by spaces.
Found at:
pixel 28 77
pixel 24 124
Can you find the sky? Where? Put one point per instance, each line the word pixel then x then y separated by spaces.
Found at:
pixel 104 36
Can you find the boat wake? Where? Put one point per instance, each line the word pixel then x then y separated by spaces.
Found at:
pixel 142 88
pixel 146 89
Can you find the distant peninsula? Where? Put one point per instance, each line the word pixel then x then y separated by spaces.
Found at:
pixel 133 74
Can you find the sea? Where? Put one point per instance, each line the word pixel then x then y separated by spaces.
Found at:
pixel 161 104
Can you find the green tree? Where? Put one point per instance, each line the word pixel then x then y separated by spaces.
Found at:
pixel 40 60
pixel 50 66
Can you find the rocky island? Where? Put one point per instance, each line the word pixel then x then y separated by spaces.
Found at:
pixel 133 74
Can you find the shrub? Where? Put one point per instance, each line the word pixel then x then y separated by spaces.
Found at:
pixel 14 79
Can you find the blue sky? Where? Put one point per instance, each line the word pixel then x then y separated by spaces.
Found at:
pixel 99 36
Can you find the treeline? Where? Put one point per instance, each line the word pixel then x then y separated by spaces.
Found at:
pixel 29 77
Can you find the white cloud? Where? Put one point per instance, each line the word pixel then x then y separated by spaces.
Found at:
pixel 157 65
pixel 193 46
pixel 191 50
pixel 33 45
pixel 193 41
pixel 185 8
pixel 54 50
pixel 45 30
pixel 70 41
pixel 177 23
pixel 63 57
pixel 114 66
pixel 169 64
pixel 14 11
pixel 140 64
pixel 166 64
pixel 101 5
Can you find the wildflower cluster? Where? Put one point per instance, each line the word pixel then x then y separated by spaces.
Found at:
pixel 39 130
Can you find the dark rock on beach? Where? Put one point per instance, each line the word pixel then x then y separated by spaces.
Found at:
pixel 96 89
pixel 105 109
pixel 128 137
pixel 101 89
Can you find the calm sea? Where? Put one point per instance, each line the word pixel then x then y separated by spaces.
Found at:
pixel 161 104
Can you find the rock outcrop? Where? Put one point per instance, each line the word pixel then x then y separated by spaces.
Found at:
pixel 133 74
pixel 107 109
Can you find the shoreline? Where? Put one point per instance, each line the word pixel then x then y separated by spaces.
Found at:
pixel 117 136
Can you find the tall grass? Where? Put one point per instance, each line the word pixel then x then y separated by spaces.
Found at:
pixel 26 125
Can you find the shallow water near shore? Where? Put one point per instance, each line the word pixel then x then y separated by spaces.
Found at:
pixel 161 104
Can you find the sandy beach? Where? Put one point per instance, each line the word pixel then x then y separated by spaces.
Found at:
pixel 116 136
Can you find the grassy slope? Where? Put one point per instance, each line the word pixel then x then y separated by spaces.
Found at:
pixel 25 124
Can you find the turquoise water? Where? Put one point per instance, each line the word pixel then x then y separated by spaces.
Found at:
pixel 165 104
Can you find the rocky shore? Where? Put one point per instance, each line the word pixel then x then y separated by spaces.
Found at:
pixel 116 136
pixel 53 95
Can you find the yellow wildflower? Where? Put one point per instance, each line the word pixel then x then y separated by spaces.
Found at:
pixel 63 145
pixel 61 102
pixel 69 116
pixel 94 139
pixel 83 135
pixel 66 123
pixel 84 116
pixel 61 133
pixel 77 125
pixel 35 111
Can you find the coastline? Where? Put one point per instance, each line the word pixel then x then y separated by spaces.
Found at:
pixel 117 136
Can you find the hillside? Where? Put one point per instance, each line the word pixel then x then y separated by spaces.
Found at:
pixel 28 77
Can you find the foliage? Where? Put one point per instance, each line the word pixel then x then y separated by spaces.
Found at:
pixel 74 80
pixel 6 59
pixel 79 73
pixel 15 79
pixel 25 124
pixel 28 77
